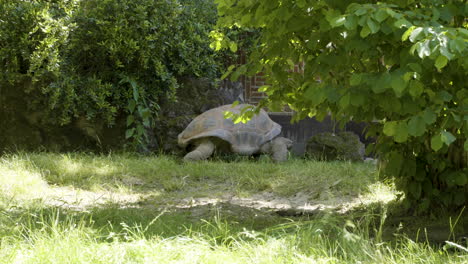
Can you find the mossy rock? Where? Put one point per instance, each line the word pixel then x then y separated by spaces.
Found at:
pixel 340 146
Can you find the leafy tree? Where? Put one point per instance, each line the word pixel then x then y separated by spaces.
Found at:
pixel 399 65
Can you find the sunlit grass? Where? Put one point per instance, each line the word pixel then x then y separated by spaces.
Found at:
pixel 119 171
pixel 145 230
pixel 325 240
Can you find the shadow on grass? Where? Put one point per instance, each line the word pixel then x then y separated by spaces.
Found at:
pixel 224 222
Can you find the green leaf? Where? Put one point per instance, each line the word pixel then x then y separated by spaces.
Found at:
pixel 390 128
pixel 357 99
pixel 420 175
pixel 374 26
pixel 441 61
pixel 416 88
pixel 402 23
pixel 423 49
pixel 445 96
pixel 415 67
pixel 355 79
pixel 415 34
pixel 264 88
pixel 233 47
pixel 245 19
pixel 461 179
pixel 136 92
pixel 131 105
pixel 414 188
pixel 140 129
pixel 466 145
pixel 416 126
pixel 447 137
pixel 436 142
pixel 345 100
pixel 365 31
pixel 401 134
pixel 398 85
pixel 405 35
pixel 427 186
pixel 444 51
pixel 457 44
pixel 145 113
pixel 301 3
pixel 429 116
pixel 395 162
pixel 361 11
pixel 226 74
pixel 130 120
pixel 351 22
pixel 337 21
pixel 129 133
pixel 381 15
pixel 383 83
pixel 459 198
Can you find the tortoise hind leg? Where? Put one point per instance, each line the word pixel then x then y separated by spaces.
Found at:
pixel 204 149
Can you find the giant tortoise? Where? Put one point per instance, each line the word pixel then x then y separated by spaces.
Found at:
pixel 211 129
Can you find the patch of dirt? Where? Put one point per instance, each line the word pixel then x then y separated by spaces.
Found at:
pixel 298 204
pixel 79 199
pixel 301 203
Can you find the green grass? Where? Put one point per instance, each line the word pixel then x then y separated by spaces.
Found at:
pixel 34 228
pixel 112 171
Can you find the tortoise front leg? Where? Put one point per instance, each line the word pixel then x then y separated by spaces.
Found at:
pixel 203 150
pixel 278 148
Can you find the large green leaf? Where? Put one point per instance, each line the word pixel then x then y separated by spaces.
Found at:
pixel 407 33
pixel 394 164
pixel 383 83
pixel 415 34
pixel 436 142
pixel 429 116
pixel 415 88
pixel 345 100
pixel 365 31
pixel 373 26
pixel 401 134
pixel 398 84
pixel 416 126
pixel 440 62
pixel 415 188
pixel 381 15
pixel 424 49
pixel 390 128
pixel 355 79
pixel 351 22
pixel 447 137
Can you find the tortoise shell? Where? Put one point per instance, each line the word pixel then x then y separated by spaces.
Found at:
pixel 244 138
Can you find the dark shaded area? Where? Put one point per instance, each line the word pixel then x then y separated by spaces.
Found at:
pixel 227 222
pixel 340 146
pixel 303 130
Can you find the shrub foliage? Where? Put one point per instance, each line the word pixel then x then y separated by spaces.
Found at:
pixel 399 65
pixel 99 59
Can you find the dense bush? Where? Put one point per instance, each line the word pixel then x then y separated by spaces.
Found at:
pixel 399 65
pixel 96 60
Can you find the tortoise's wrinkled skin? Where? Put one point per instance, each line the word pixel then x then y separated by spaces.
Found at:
pixel 260 134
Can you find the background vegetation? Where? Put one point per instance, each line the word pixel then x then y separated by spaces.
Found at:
pixel 95 64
